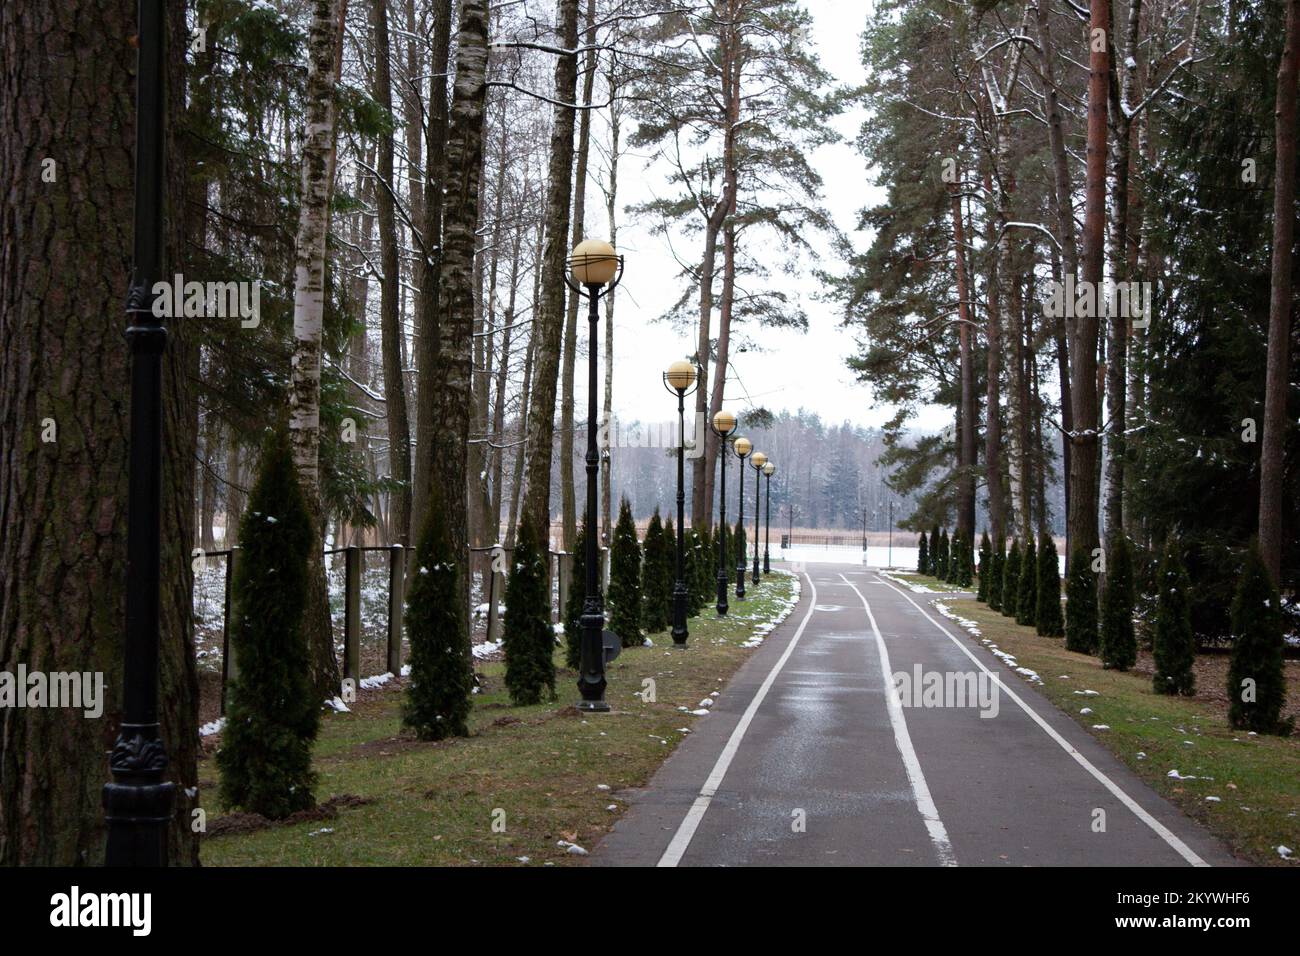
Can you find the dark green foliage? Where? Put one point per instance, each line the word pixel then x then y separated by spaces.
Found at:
pixel 1048 617
pixel 941 557
pixel 625 593
pixel 529 639
pixel 575 599
pixel 996 574
pixel 739 547
pixel 1081 604
pixel 691 571
pixel 1027 592
pixel 1256 653
pixel 1173 644
pixel 1010 594
pixel 933 567
pixel 657 576
pixel 923 555
pixel 965 568
pixel 985 568
pixel 272 715
pixel 706 569
pixel 1117 641
pixel 437 702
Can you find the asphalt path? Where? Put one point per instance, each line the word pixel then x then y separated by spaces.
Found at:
pixel 810 757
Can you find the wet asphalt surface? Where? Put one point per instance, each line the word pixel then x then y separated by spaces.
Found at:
pixel 828 772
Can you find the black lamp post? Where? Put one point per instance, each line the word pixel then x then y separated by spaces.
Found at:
pixel 681 378
pixel 757 461
pixel 595 269
pixel 742 447
pixel 138 802
pixel 723 424
pixel 769 470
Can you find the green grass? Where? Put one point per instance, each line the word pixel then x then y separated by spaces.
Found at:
pixel 1256 778
pixel 533 771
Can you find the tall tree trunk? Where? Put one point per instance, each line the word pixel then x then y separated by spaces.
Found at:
pixel 479 491
pixel 503 381
pixel 1083 348
pixel 234 489
pixel 454 407
pixel 323 43
pixel 1279 313
pixel 568 502
pixel 64 365
pixel 390 321
pixel 611 211
pixel 436 178
pixel 702 468
pixel 548 327
pixel 966 440
pixel 992 401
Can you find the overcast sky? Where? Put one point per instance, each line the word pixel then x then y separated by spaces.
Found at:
pixel 795 368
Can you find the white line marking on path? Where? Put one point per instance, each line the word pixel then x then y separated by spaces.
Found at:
pixel 1160 829
pixel 691 822
pixel 903 741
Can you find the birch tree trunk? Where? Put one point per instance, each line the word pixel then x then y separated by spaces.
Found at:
pixel 1279 316
pixel 308 313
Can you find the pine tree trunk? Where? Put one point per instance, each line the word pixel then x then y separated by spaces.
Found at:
pixel 63 361
pixel 1083 348
pixel 992 411
pixel 704 466
pixel 548 328
pixel 966 440
pixel 390 321
pixel 1279 316
pixel 431 236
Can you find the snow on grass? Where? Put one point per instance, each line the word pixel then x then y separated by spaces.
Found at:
pixel 213 727
pixel 918 588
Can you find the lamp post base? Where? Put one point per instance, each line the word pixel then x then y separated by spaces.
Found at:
pixel 754 578
pixel 767 566
pixel 740 583
pixel 722 593
pixel 680 633
pixel 593 706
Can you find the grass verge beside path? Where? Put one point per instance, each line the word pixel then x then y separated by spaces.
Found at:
pixel 1244 788
pixel 526 779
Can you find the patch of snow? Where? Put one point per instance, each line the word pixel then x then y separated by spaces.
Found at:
pixel 213 727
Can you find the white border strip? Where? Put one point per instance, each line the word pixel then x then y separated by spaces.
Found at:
pixel 1160 829
pixel 903 741
pixel 690 823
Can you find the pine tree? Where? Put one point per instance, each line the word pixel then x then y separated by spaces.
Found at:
pixel 1173 644
pixel 691 571
pixel 1011 580
pixel 996 574
pixel 965 573
pixel 656 606
pixel 625 594
pixel 576 598
pixel 1081 604
pixel 1256 682
pixel 933 569
pixel 529 638
pixel 738 548
pixel 273 714
pixel 706 569
pixel 985 568
pixel 941 564
pixel 1027 592
pixel 437 702
pixel 1117 642
pixel 1048 618
pixel 922 555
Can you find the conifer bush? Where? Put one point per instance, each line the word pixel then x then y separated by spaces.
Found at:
pixel 625 595
pixel 922 555
pixel 437 701
pixel 996 574
pixel 1027 593
pixel 657 576
pixel 1117 640
pixel 1048 618
pixel 1011 580
pixel 1173 644
pixel 1081 604
pixel 575 599
pixel 1256 681
pixel 738 548
pixel 985 568
pixel 691 571
pixel 941 558
pixel 529 638
pixel 933 568
pixel 272 714
pixel 706 569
